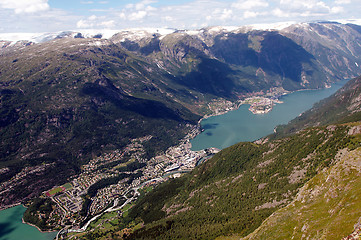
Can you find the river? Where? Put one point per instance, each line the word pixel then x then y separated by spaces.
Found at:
pixel 12 227
pixel 241 125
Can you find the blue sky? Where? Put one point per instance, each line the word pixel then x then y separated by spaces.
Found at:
pixel 61 15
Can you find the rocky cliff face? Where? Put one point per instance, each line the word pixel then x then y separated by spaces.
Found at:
pixel 335 46
pixel 305 55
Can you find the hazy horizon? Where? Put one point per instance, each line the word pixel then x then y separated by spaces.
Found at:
pixel 60 15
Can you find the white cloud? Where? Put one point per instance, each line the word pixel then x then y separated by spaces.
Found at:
pixel 341 2
pixel 302 4
pixel 192 14
pixel 226 14
pixel 128 6
pixel 139 6
pixel 107 24
pixel 95 22
pixel 250 14
pixel 87 2
pixel 25 6
pixel 135 16
pixel 138 11
pixel 122 16
pixel 83 24
pixel 92 2
pixel 143 4
pixel 29 22
pixel 277 12
pixel 147 2
pixel 92 18
pixel 250 4
pixel 150 8
pixel 337 10
pixel 101 10
pixel 168 18
pixel 308 9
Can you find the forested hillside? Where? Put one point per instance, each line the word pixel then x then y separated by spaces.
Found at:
pixel 235 191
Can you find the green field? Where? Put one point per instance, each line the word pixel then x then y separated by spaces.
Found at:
pixel 54 191
pixel 125 164
pixel 67 186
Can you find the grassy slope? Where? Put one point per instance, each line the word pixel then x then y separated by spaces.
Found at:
pixel 327 207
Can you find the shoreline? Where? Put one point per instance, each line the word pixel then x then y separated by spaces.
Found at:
pixel 238 103
pixel 33 225
pixel 10 206
pixel 22 218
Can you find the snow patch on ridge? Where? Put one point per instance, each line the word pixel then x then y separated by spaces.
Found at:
pixel 223 28
pixel 271 26
pixel 134 34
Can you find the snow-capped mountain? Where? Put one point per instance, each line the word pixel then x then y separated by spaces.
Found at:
pixel 85 33
pixel 138 33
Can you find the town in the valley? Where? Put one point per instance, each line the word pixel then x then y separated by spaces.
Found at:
pixel 135 174
pixel 261 104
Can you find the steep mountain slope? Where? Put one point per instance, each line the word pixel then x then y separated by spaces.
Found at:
pixel 304 55
pixel 327 207
pixel 67 100
pixel 335 46
pixel 230 64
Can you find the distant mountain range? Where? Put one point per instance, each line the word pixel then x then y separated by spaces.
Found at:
pixel 67 97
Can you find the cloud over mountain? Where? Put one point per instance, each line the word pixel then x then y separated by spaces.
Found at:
pixel 160 13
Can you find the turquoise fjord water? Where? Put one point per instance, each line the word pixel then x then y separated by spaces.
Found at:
pixel 241 125
pixel 12 228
